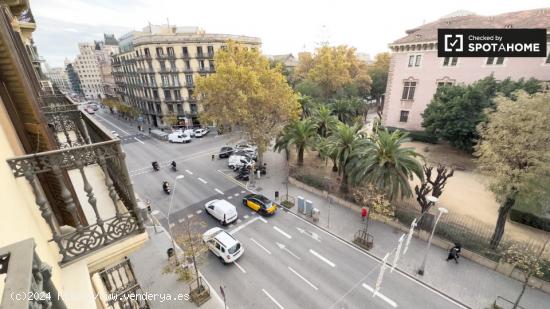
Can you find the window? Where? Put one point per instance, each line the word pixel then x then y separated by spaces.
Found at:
pixel 404 116
pixel 160 52
pixel 441 84
pixel 199 50
pixel 170 51
pixel 495 60
pixel 189 79
pixel 201 64
pixel 450 61
pixel 187 65
pixel 185 52
pixel 547 59
pixel 414 60
pixel 408 91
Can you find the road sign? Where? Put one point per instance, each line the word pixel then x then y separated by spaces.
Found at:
pixel 411 231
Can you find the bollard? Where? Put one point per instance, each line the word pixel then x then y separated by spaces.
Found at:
pixel 170 252
pixel 213 157
pixel 276 195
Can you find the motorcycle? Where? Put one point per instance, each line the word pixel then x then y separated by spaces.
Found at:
pixel 262 169
pixel 243 174
pixel 166 188
pixel 156 166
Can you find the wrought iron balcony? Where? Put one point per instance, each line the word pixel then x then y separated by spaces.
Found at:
pixel 211 54
pixel 121 281
pixel 166 56
pixel 27 275
pixel 186 56
pixel 81 220
pixel 200 55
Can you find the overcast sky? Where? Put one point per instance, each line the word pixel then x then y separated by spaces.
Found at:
pixel 283 25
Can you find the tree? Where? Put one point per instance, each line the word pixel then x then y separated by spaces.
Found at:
pixel 309 88
pixel 301 134
pixel 513 148
pixel 307 104
pixel 325 120
pixel 383 163
pixel 434 186
pixel 378 73
pixel 343 110
pixel 456 111
pixel 343 141
pixel 526 260
pixel 247 92
pixel 170 119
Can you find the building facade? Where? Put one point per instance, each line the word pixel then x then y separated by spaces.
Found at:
pixel 74 80
pixel 69 212
pixel 60 79
pixel 155 69
pixel 87 67
pixel 103 52
pixel 416 72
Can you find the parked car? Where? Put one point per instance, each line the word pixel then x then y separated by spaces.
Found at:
pixel 248 152
pixel 222 211
pixel 223 245
pixel 260 204
pixel 95 107
pixel 179 137
pixel 189 132
pixel 200 132
pixel 242 146
pixel 225 152
pixel 235 162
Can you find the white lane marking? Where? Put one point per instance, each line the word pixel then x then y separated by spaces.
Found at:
pixel 199 212
pixel 236 194
pixel 189 172
pixel 245 216
pixel 190 216
pixel 322 258
pixel 155 212
pixel 273 299
pixel 229 197
pixel 262 219
pixel 181 220
pixel 283 247
pixel 114 125
pixel 252 212
pixel 202 180
pixel 301 277
pixel 281 231
pixel 219 191
pixel 243 191
pixel 257 243
pixel 242 226
pixel 382 296
pixel 230 226
pixel 240 267
pixel 137 139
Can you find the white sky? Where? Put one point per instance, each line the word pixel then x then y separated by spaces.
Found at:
pixel 284 26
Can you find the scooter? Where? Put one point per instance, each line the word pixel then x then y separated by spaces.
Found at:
pixel 156 167
pixel 166 188
pixel 243 176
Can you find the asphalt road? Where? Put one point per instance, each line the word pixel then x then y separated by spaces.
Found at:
pixel 288 262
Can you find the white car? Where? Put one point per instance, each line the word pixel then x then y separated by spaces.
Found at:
pixel 189 132
pixel 179 137
pixel 245 146
pixel 236 161
pixel 223 245
pixel 200 132
pixel 222 211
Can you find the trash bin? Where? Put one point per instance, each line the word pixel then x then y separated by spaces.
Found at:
pixel 309 208
pixel 316 214
pixel 301 205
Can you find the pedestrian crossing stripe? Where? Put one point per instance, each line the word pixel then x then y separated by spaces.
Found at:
pixel 199 212
pixel 230 197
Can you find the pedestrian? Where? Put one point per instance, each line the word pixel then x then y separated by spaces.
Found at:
pixel 363 213
pixel 454 253
pixel 213 157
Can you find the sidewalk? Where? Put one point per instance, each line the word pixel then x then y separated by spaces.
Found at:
pixel 469 282
pixel 148 264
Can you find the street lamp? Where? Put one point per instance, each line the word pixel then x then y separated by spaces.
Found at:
pixel 169 211
pixel 433 200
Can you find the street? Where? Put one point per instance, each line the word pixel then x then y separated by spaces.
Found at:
pixel 288 262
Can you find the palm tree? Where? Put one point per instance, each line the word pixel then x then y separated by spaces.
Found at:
pixel 384 163
pixel 342 142
pixel 301 134
pixel 342 110
pixel 325 120
pixel 323 147
pixel 308 105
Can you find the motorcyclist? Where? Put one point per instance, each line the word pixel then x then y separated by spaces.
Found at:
pixel 165 186
pixel 155 165
pixel 173 165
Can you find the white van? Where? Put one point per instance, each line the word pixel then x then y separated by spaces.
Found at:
pixel 235 161
pixel 189 132
pixel 223 245
pixel 179 137
pixel 222 211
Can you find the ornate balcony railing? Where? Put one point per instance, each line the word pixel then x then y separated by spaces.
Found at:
pixel 26 275
pixel 86 151
pixel 123 287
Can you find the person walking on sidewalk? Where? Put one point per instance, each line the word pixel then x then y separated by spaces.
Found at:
pixel 453 253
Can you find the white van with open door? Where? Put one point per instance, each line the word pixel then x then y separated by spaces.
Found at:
pixel 222 211
pixel 179 137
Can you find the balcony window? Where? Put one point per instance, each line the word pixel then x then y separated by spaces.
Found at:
pixel 408 90
pixel 167 95
pixel 199 51
pixel 170 51
pixel 404 116
pixel 170 108
pixel 180 108
pixel 160 51
pixel 155 94
pixel 185 52
pixel 187 65
pixel 414 60
pixel 201 65
pixel 450 61
pixel 189 79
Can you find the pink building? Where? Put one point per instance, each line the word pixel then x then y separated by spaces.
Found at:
pixel 416 71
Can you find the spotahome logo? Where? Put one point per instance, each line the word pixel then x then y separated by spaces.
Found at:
pixel 491 42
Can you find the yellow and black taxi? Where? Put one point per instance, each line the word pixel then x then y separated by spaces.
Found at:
pixel 260 204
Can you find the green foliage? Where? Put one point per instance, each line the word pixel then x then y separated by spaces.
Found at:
pixel 418 136
pixel 455 111
pixel 530 219
pixel 385 164
pixel 309 88
pixel 311 180
pixel 378 72
pixel 287 204
pixel 325 120
pixel 301 134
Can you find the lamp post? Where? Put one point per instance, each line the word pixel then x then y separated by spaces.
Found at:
pixel 169 211
pixel 442 211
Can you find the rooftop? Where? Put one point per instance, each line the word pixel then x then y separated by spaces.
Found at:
pixel 537 18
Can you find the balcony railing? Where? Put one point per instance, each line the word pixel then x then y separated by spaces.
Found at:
pixel 168 70
pixel 186 56
pixel 200 55
pixel 26 276
pixel 86 152
pixel 211 54
pixel 121 283
pixel 166 56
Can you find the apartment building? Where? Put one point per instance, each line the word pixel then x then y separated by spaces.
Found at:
pixel 103 52
pixel 74 80
pixel 69 212
pixel 416 72
pixel 155 69
pixel 60 79
pixel 87 67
